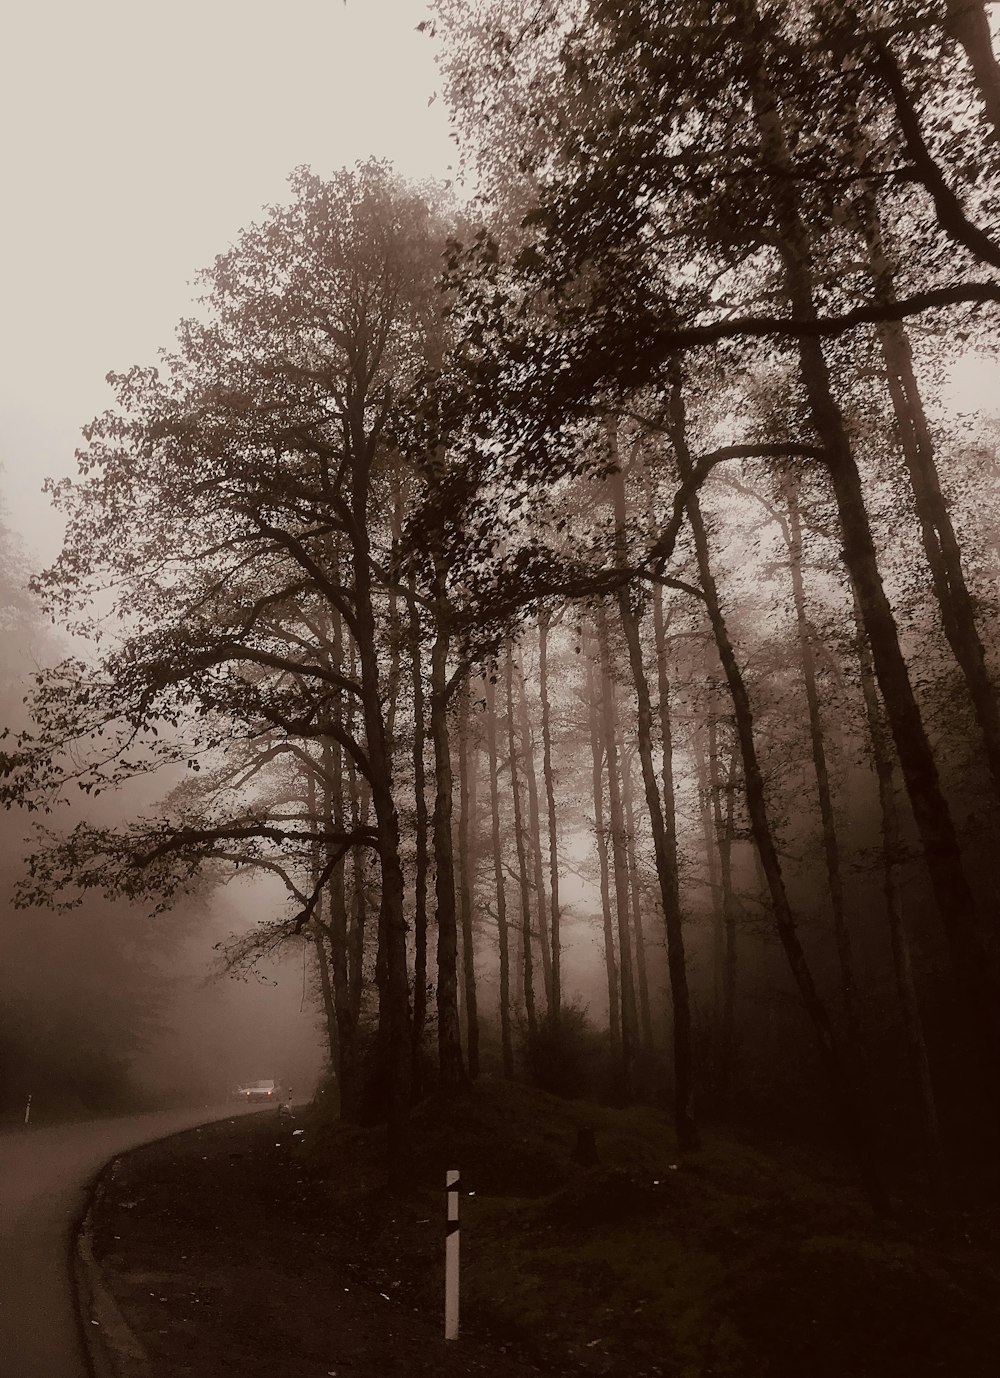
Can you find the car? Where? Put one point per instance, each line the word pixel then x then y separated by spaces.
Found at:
pixel 260 1090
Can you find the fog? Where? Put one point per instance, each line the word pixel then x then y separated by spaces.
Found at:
pixel 127 190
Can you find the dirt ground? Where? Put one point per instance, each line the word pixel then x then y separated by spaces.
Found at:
pixel 220 1264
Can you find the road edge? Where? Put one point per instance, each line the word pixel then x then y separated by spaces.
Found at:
pixel 112 1349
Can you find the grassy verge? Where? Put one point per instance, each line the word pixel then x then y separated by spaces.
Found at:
pixel 254 1247
pixel 728 1263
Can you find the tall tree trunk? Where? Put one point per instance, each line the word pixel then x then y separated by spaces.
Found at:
pixel 534 833
pixel 394 997
pixel 319 928
pixel 601 836
pixel 420 840
pixel 941 547
pixel 831 843
pixel 892 849
pixel 664 846
pixel 359 795
pixel 707 781
pixel 467 834
pixel 524 884
pixel 319 934
pixel 506 1045
pixel 555 994
pixel 723 827
pixel 346 990
pixel 450 1065
pixel 635 890
pixel 942 854
pixel 609 729
pixel 858 1130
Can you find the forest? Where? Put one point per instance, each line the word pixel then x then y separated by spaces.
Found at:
pixel 580 595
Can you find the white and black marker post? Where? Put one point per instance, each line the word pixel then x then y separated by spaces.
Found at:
pixel 451 1259
pixel 27 1109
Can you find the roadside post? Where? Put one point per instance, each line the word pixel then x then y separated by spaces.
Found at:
pixel 27 1109
pixel 451 1259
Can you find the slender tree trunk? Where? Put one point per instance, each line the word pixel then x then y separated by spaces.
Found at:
pixel 506 1045
pixel 420 839
pixel 359 794
pixel 857 1128
pixel 395 637
pixel 346 990
pixel 635 890
pixel 723 827
pixel 955 902
pixel 831 843
pixel 555 994
pixel 524 883
pixel 450 1065
pixel 467 833
pixel 394 997
pixel 620 857
pixel 319 941
pixel 941 547
pixel 706 786
pixel 664 846
pixel 892 847
pixel 600 833
pixel 535 834
pixel 319 929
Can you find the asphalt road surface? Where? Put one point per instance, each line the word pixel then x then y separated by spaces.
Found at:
pixel 43 1178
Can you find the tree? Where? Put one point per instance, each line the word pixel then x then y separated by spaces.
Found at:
pixel 236 499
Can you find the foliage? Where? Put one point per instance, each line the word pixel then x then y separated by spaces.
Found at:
pixel 565 1056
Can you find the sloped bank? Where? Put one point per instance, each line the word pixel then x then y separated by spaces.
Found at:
pixel 239 1244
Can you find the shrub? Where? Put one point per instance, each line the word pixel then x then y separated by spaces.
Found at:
pixel 567 1057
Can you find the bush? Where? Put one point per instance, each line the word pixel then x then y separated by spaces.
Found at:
pixel 567 1058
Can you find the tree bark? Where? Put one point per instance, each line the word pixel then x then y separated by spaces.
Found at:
pixel 467 833
pixel 420 840
pixel 535 833
pixel 524 884
pixel 609 729
pixel 664 846
pixel 792 533
pixel 451 1068
pixel 635 891
pixel 707 780
pixel 394 997
pixel 723 826
pixel 555 993
pixel 506 1044
pixel 346 983
pixel 318 928
pixel 319 940
pixel 600 834
pixel 892 846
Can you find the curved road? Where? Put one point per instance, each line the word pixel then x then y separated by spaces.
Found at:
pixel 43 1178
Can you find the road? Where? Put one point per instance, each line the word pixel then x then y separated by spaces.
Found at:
pixel 43 1176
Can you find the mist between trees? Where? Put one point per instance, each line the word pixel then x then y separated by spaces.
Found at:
pixel 594 558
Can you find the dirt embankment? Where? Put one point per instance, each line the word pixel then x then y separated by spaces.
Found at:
pixel 246 1248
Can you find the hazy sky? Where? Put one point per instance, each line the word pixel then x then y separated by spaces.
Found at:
pixel 138 139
